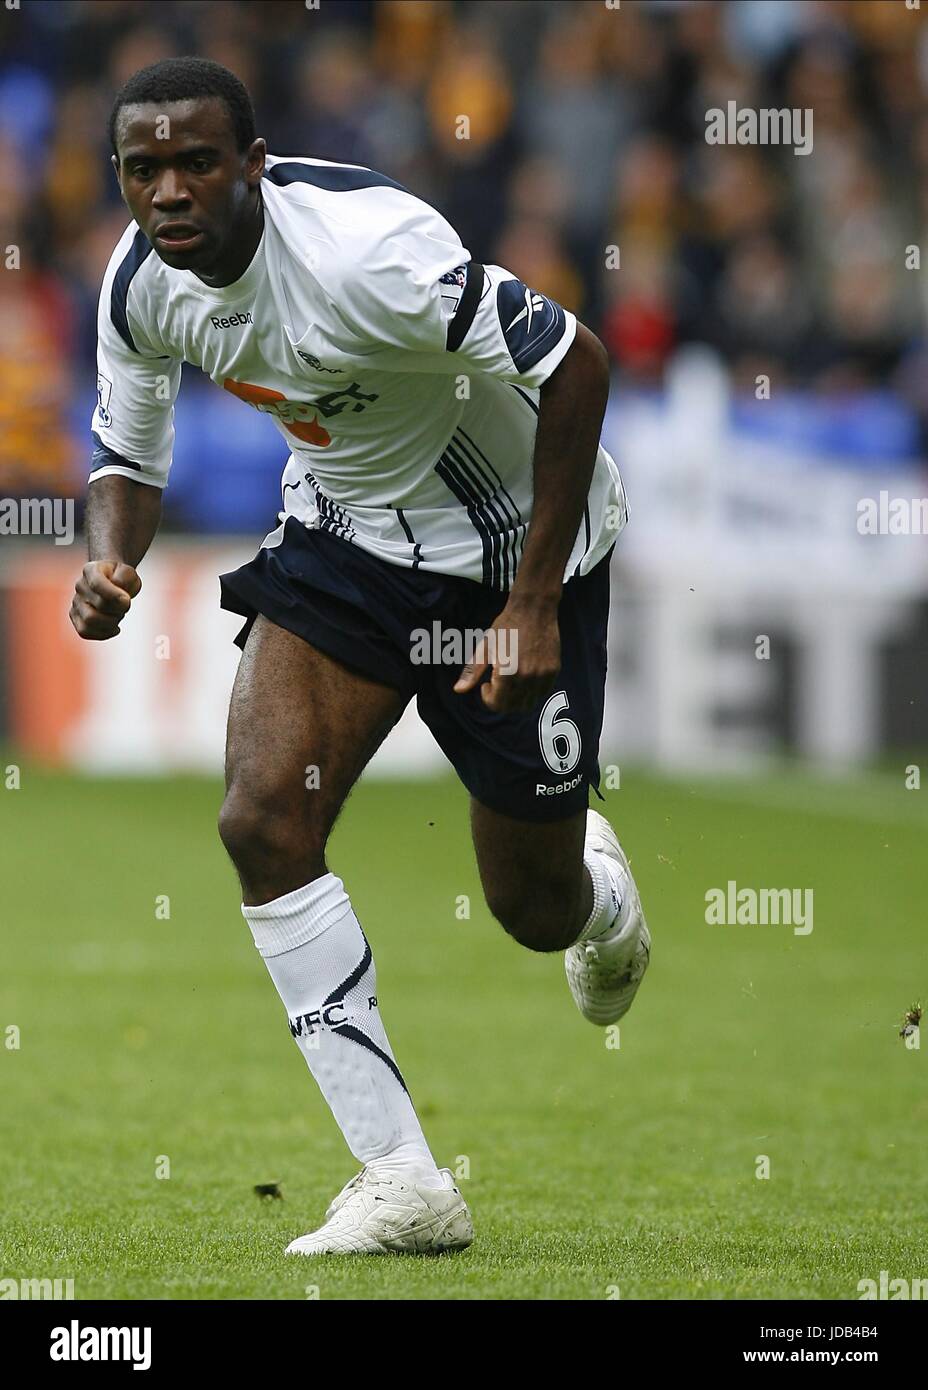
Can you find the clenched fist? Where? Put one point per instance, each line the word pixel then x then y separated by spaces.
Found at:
pixel 102 598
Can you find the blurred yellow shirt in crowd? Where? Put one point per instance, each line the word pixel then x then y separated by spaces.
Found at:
pixel 37 454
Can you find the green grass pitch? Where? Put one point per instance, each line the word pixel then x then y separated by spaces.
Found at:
pixel 594 1172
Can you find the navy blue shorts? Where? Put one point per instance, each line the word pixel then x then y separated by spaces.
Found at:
pixel 536 765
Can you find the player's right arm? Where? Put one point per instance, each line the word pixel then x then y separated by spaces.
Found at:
pixel 133 435
pixel 121 520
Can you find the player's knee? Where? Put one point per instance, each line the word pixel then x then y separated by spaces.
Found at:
pixel 268 839
pixel 541 916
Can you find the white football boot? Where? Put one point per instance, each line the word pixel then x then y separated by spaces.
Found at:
pixel 379 1214
pixel 604 974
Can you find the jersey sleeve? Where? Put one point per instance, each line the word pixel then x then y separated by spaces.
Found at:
pixel 500 326
pixel 133 421
pixel 420 303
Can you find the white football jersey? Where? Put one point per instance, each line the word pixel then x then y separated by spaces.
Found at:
pixel 402 374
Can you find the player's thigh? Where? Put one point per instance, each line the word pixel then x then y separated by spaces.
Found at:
pixel 302 727
pixel 531 872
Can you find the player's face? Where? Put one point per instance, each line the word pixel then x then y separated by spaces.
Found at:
pixel 188 186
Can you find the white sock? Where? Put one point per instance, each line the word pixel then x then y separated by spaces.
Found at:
pixel 609 913
pixel 320 961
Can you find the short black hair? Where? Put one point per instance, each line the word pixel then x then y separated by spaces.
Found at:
pixel 180 79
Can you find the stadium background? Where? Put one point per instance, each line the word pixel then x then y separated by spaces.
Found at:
pixel 736 264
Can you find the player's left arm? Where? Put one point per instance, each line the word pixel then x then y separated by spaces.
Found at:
pixel 572 403
pixel 414 302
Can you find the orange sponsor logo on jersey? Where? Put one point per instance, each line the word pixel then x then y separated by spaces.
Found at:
pixel 298 417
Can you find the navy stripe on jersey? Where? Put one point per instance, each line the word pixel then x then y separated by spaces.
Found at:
pixel 450 474
pixel 467 306
pixel 105 457
pixel 526 398
pixel 338 178
pixel 332 517
pixel 491 512
pixel 407 530
pixel 532 323
pixel 500 493
pixel 140 249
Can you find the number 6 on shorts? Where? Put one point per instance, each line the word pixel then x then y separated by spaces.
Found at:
pixel 559 737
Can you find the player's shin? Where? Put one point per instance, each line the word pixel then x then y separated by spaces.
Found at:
pixel 321 964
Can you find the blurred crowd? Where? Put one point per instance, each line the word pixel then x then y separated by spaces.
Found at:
pixel 585 170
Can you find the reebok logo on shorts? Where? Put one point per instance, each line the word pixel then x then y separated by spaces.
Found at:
pixel 542 790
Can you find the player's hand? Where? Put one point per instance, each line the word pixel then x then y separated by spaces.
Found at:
pixel 102 597
pixel 524 649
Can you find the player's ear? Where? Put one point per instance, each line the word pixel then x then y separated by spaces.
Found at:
pixel 254 161
pixel 115 163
